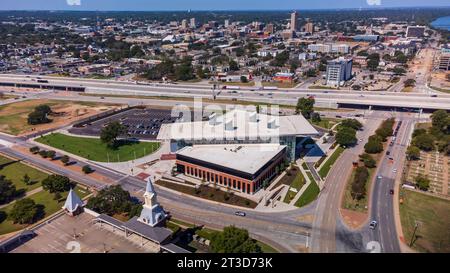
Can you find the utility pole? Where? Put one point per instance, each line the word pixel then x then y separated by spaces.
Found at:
pixel 416 226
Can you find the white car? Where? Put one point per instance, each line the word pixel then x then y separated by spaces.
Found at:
pixel 373 224
pixel 394 170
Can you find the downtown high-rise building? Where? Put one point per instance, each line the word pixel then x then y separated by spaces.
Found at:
pixel 192 23
pixel 184 24
pixel 294 19
pixel 227 23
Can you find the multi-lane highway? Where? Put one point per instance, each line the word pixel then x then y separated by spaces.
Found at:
pixel 282 96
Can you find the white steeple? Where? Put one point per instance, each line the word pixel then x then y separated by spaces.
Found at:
pixel 152 213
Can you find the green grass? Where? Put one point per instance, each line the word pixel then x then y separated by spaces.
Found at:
pixel 297 184
pixel 323 172
pixel 42 198
pixel 433 214
pixel 325 123
pixel 265 248
pixel 309 195
pixel 357 205
pixel 94 149
pixel 14 171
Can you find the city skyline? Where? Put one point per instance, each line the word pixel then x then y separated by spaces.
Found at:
pixel 200 5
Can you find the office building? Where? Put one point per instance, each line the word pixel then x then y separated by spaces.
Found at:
pixel 339 71
pixel 244 168
pixel 193 23
pixel 294 19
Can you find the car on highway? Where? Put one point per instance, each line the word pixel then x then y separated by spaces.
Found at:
pixel 240 213
pixel 388 153
pixel 391 192
pixel 394 170
pixel 373 224
pixel 434 96
pixel 379 177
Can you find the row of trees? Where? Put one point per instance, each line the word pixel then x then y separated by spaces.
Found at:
pixel 26 210
pixel 233 240
pixel 358 189
pixel 65 159
pixel 375 143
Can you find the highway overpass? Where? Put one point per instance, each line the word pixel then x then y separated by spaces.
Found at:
pixel 324 97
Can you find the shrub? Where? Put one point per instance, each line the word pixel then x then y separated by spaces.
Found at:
pixel 87 169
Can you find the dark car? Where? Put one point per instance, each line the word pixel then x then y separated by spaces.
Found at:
pixel 388 153
pixel 391 192
pixel 240 213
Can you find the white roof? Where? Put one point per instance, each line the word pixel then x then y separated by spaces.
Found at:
pixel 247 158
pixel 73 202
pixel 238 124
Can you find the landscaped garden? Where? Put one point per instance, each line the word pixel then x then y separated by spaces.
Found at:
pixel 96 150
pixel 325 169
pixel 210 193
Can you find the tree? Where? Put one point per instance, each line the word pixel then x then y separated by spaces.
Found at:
pixel 373 146
pixel 413 153
pixel 233 65
pixel 65 159
pixel 7 190
pixel 184 71
pixel 56 183
pixel 346 136
pixel 111 132
pixel 352 123
pixel 422 182
pixel 315 117
pixel 244 79
pixel 305 106
pixel 424 142
pixel 311 73
pixel 51 154
pixel 25 211
pixel 34 150
pixel 356 87
pixel 372 64
pixel 233 240
pixel 111 200
pixel 441 121
pixel 409 83
pixel 39 115
pixel 87 169
pixel 368 160
pixel 26 179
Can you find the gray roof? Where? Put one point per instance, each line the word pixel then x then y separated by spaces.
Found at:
pixel 174 248
pixel 149 187
pixel 156 234
pixel 110 220
pixel 73 202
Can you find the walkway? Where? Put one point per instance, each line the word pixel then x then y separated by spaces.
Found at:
pixel 28 193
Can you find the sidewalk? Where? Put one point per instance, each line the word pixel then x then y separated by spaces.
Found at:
pixel 28 193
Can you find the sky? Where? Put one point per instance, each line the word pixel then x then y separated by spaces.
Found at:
pixel 149 5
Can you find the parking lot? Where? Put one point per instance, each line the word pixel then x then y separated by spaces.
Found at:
pixel 141 123
pixel 79 234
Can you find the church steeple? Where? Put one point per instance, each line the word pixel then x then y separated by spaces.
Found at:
pixel 152 213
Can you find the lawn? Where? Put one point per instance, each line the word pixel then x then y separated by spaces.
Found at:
pixel 14 171
pixel 309 195
pixel 323 172
pixel 433 215
pixel 42 198
pixel 94 149
pixel 325 123
pixel 280 84
pixel 297 184
pixel 210 193
pixel 13 117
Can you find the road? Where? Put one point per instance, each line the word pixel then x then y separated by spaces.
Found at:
pixel 323 238
pixel 382 202
pixel 283 97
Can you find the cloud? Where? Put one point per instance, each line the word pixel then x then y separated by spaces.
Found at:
pixel 74 2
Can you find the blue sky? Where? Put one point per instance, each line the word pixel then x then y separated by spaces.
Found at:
pixel 210 4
